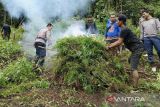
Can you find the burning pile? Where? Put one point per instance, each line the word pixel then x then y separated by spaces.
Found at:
pixel 84 63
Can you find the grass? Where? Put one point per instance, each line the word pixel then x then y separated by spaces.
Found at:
pixel 13 89
pixel 18 77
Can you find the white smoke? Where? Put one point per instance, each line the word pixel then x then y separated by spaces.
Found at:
pixel 40 12
pixel 76 29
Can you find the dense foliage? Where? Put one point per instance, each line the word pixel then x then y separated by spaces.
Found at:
pixel 19 76
pixel 83 62
pixel 102 8
pixel 17 72
pixel 9 51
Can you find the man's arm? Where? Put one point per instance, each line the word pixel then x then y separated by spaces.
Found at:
pixel 49 38
pixel 142 30
pixel 117 43
pixel 119 30
pixel 157 24
pixel 108 24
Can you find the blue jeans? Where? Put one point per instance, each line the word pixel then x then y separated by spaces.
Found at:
pixel 149 42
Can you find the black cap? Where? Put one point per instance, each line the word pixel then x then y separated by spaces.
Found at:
pixel 122 18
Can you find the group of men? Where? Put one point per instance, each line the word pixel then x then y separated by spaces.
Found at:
pixel 116 34
pixel 149 27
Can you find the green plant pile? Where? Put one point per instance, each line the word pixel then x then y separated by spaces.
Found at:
pixel 9 51
pixel 18 76
pixel 83 62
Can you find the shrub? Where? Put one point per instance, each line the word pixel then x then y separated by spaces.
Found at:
pixel 17 72
pixel 9 51
pixel 8 48
pixel 83 62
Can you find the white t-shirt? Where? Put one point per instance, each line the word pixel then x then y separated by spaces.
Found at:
pixel 43 36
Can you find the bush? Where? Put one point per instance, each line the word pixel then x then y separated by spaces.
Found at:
pixel 17 72
pixel 101 27
pixel 136 30
pixel 19 77
pixel 8 48
pixel 83 62
pixel 9 51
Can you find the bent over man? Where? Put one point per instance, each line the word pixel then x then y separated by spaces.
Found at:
pixel 43 36
pixel 133 44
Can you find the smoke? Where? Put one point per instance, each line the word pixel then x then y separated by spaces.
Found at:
pixel 75 29
pixel 40 12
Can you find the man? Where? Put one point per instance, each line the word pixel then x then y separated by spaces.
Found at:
pixel 133 44
pixel 43 36
pixel 112 33
pixel 113 30
pixel 141 19
pixel 91 26
pixel 6 31
pixel 149 34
